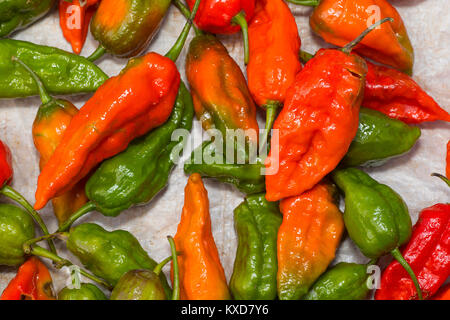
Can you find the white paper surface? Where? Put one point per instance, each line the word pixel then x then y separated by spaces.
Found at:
pixel 428 25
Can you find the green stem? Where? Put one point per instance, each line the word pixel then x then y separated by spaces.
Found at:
pixel 14 195
pixel 43 93
pixel 176 271
pixel 240 20
pixel 348 47
pixel 97 54
pixel 447 181
pixel 88 207
pixel 309 3
pixel 175 51
pixel 161 265
pixel 27 246
pixel 186 13
pixel 305 56
pixel 271 113
pixel 398 256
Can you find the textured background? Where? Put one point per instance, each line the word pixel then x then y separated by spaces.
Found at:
pixel 428 25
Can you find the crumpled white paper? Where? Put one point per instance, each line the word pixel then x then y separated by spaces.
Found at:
pixel 428 25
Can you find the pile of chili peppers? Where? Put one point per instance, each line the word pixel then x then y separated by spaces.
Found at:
pixel 334 113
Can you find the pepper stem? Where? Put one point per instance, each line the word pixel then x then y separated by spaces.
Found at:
pixel 14 195
pixel 175 51
pixel 349 46
pixel 240 20
pixel 176 270
pixel 447 181
pixel 398 256
pixel 88 207
pixel 43 93
pixel 271 113
pixel 186 13
pixel 309 3
pixel 97 54
pixel 305 56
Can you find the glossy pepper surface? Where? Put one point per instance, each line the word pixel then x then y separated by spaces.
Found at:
pixel 69 73
pixel 340 21
pixel 6 169
pixel 32 282
pixel 375 216
pixel 87 291
pixel 307 239
pixel 274 44
pixel 427 252
pixel 255 266
pixel 344 281
pixel 378 139
pixel 125 27
pixel 317 123
pixel 19 14
pixel 201 274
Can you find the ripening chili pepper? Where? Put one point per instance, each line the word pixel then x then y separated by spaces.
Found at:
pixel 121 109
pixel 443 293
pixel 19 14
pixel 86 291
pixel 255 267
pixel 74 19
pixel 273 56
pixel 376 217
pixel 307 239
pixel 201 274
pixel 32 282
pixel 428 254
pixel 340 21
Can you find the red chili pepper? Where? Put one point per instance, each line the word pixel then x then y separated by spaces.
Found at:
pixel 443 293
pixel 447 170
pixel 428 254
pixel 6 170
pixel 32 282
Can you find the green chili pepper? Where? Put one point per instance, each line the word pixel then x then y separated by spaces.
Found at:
pixel 16 227
pixel 255 267
pixel 87 291
pixel 376 217
pixel 344 281
pixel 378 139
pixel 60 71
pixel 19 14
pixel 109 255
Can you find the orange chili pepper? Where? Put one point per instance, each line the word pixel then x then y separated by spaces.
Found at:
pixel 201 274
pixel 74 19
pixel 32 282
pixel 126 106
pixel 443 293
pixel 274 63
pixel 307 239
pixel 447 170
pixel 340 21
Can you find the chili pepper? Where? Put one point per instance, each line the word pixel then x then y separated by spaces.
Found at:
pixel 121 110
pixel 74 19
pixel 344 281
pixel 443 293
pixel 339 21
pixel 255 267
pixel 428 254
pixel 201 274
pixel 87 291
pixel 375 216
pixel 447 169
pixel 68 74
pixel 6 170
pixel 125 28
pixel 109 255
pixel 307 239
pixel 32 282
pixel 273 63
pixel 378 139
pixel 146 284
pixel 19 14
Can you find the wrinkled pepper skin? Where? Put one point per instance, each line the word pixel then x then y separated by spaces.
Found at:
pixel 6 169
pixel 428 253
pixel 32 282
pixel 125 28
pixel 19 14
pixel 69 73
pixel 317 123
pixel 201 274
pixel 109 255
pixel 147 163
pixel 120 110
pixel 16 227
pixel 307 239
pixel 378 139
pixel 139 285
pixel 255 266
pixel 87 291
pixel 344 281
pixel 398 96
pixel 340 21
